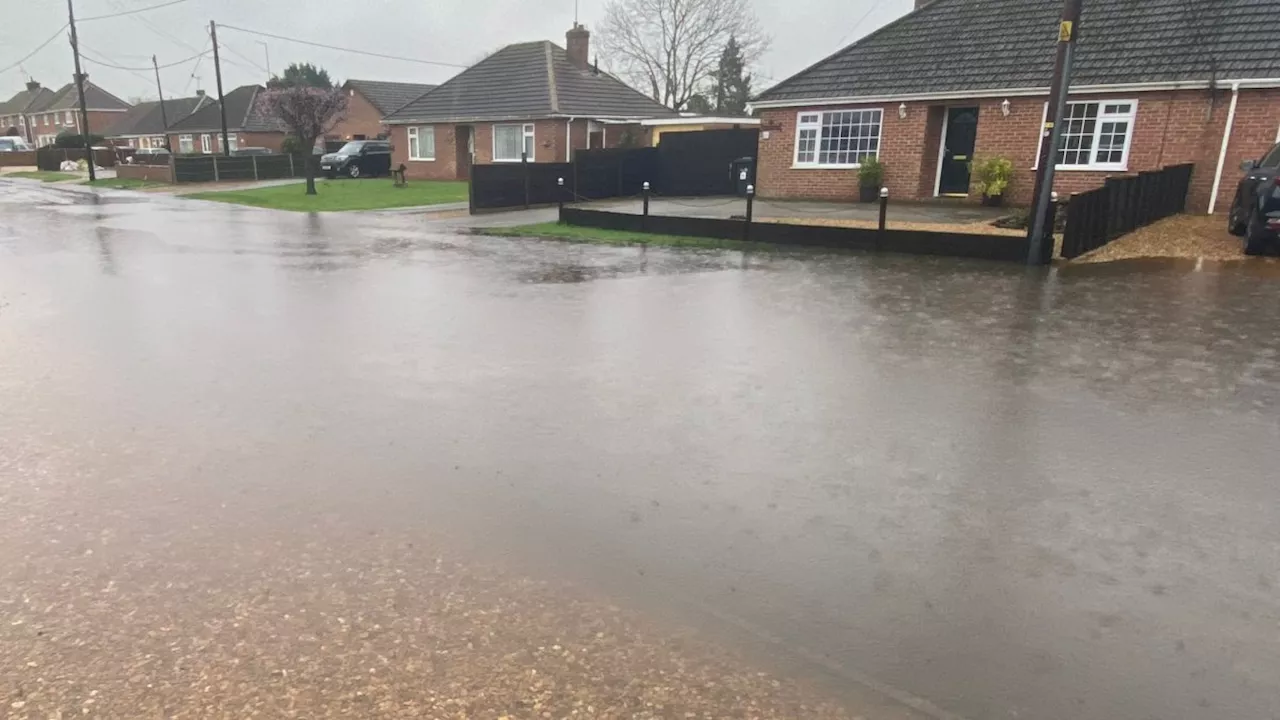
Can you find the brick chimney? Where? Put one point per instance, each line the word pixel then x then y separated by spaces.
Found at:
pixel 32 85
pixel 578 45
pixel 199 93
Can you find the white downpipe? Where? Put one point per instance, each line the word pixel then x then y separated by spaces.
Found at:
pixel 1226 140
pixel 568 140
pixel 1278 135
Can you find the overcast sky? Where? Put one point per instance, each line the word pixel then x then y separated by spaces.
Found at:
pixel 451 31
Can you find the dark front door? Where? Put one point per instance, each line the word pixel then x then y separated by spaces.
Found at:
pixel 464 147
pixel 957 150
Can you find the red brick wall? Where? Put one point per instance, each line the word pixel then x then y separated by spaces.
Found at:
pixel 444 167
pixel 154 173
pixel 361 118
pixel 1171 128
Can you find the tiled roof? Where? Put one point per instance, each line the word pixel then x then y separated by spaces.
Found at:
pixel 24 101
pixel 242 114
pixel 66 98
pixel 146 118
pixel 388 97
pixel 967 45
pixel 527 81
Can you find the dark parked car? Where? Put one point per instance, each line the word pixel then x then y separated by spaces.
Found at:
pixel 358 158
pixel 1255 213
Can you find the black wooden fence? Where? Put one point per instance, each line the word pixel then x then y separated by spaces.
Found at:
pixel 1122 205
pixel 51 158
pixel 915 242
pixel 684 164
pixel 214 168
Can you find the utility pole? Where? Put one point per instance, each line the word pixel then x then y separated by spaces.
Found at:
pixel 1040 247
pixel 84 106
pixel 164 117
pixel 217 71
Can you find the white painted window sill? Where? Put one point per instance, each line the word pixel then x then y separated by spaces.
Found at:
pixel 826 167
pixel 414 159
pixel 1089 168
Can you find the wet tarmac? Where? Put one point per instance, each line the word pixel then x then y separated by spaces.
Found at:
pixel 962 487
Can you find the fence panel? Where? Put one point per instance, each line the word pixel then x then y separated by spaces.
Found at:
pixel 1122 205
pixel 615 172
pixel 701 163
pixel 188 169
pixel 916 242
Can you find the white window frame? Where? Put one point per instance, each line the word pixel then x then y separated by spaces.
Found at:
pixel 46 120
pixel 234 141
pixel 69 119
pixel 527 134
pixel 206 144
pixel 802 125
pixel 57 120
pixel 186 144
pixel 417 134
pixel 1130 117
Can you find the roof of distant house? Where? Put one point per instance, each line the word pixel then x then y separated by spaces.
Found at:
pixel 243 114
pixel 971 45
pixel 388 97
pixel 22 102
pixel 66 98
pixel 147 119
pixel 527 81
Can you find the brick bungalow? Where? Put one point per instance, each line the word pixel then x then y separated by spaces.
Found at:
pixel 1155 84
pixel 13 112
pixel 368 102
pixel 59 112
pixel 535 99
pixel 201 131
pixel 144 126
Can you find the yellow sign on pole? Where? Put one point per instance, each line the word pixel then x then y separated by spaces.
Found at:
pixel 1064 31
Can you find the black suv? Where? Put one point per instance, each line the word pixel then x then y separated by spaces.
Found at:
pixel 358 158
pixel 1255 213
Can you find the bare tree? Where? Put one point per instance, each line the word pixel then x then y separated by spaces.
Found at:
pixel 671 48
pixel 308 112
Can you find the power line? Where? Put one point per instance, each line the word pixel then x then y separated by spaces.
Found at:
pixel 159 31
pixel 241 55
pixel 342 49
pixel 134 11
pixel 195 69
pixel 119 67
pixel 40 47
pixel 874 6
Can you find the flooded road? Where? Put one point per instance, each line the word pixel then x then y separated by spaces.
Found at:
pixel 933 488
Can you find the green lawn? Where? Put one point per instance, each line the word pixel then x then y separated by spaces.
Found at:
pixel 333 195
pixel 124 183
pixel 45 175
pixel 575 233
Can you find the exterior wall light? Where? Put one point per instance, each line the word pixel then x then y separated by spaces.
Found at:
pixel 902 111
pixel 1006 107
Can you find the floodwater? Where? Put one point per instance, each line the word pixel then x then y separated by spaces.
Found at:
pixel 981 491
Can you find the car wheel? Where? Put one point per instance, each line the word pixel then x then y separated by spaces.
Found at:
pixel 1235 225
pixel 1256 236
pixel 354 172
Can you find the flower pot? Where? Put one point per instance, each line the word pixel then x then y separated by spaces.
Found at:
pixel 868 193
pixel 993 200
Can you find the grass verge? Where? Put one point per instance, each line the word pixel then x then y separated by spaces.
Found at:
pixel 123 183
pixel 43 175
pixel 575 233
pixel 340 195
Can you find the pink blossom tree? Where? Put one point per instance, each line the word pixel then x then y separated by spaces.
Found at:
pixel 308 113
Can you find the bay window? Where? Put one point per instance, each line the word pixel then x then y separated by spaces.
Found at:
pixel 838 138
pixel 1096 135
pixel 510 141
pixel 422 143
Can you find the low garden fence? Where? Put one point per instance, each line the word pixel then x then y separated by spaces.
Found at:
pixel 1122 205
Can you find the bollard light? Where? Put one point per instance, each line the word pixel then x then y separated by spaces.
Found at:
pixel 1053 197
pixel 751 189
pixel 560 182
pixel 884 192
pixel 646 185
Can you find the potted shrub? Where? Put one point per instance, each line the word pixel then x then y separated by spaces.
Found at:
pixel 992 177
pixel 870 179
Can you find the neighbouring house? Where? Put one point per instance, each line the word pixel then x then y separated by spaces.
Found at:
pixel 59 112
pixel 368 102
pixel 14 111
pixel 201 131
pixel 534 100
pixel 146 124
pixel 1155 84
pixel 658 127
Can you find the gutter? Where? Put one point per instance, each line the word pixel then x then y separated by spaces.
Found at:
pixel 1244 83
pixel 1226 140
